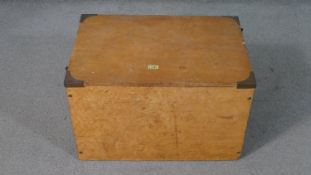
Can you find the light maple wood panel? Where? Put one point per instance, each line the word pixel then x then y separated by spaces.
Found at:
pixel 159 123
pixel 188 50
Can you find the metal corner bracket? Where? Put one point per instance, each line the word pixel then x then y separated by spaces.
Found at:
pixel 248 83
pixel 70 81
pixel 85 16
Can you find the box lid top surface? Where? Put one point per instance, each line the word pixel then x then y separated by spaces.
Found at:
pixel 159 51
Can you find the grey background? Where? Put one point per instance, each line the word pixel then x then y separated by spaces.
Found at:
pixel 36 39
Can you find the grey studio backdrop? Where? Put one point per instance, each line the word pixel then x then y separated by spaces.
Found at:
pixel 36 38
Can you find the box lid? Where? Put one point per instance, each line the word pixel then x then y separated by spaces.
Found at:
pixel 159 51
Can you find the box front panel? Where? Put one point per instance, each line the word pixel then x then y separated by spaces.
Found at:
pixel 159 123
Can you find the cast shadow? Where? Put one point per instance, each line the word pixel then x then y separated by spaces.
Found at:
pixel 281 99
pixel 34 92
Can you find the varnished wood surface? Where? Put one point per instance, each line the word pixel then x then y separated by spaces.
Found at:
pixel 159 123
pixel 188 51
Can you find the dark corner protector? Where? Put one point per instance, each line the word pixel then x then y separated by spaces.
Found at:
pixel 85 16
pixel 71 81
pixel 235 18
pixel 249 83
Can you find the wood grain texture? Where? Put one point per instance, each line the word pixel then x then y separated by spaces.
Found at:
pixel 159 88
pixel 188 50
pixel 159 123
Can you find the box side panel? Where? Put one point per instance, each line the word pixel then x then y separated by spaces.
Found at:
pixel 159 123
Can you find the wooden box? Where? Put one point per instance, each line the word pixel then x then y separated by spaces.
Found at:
pixel 159 88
